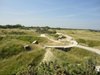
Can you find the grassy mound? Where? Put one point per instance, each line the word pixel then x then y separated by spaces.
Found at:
pixel 20 62
pixel 75 55
pixel 14 60
pixel 10 48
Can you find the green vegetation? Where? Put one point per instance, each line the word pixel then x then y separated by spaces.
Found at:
pixel 75 55
pixel 11 26
pixel 45 30
pixel 10 48
pixel 19 62
pixel 16 60
pixel 13 57
pixel 56 68
pixel 85 37
pixel 90 43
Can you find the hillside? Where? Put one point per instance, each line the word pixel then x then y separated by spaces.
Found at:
pixel 15 59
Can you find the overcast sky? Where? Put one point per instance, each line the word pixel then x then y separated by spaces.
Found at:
pixel 54 13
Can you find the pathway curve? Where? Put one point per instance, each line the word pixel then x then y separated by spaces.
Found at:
pixel 73 43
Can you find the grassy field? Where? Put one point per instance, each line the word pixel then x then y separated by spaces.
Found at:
pixel 74 55
pixel 84 37
pixel 13 56
pixel 15 59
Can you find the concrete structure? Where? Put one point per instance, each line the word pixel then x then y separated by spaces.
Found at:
pixel 35 42
pixel 42 35
pixel 27 47
pixel 98 68
pixel 59 46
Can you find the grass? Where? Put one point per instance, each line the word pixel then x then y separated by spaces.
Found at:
pixel 17 32
pixel 90 43
pixel 84 37
pixel 14 59
pixel 75 55
pixel 16 63
pixel 55 68
pixel 10 48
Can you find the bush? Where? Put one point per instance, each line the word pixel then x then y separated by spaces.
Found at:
pixel 45 30
pixel 56 68
pixel 89 66
pixel 10 49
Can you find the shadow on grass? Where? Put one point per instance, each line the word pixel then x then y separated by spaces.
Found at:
pixel 64 49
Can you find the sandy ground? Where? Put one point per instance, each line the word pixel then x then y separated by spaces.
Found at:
pixel 48 55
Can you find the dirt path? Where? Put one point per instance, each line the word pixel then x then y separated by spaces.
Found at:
pixel 48 55
pixel 75 44
pixel 70 39
pixel 89 49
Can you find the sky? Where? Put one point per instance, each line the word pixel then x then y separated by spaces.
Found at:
pixel 83 14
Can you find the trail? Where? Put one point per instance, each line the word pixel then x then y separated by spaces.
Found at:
pixel 48 55
pixel 97 51
pixel 43 35
pixel 73 43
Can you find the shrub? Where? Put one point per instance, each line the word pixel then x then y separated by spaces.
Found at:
pixel 89 66
pixel 10 49
pixel 45 30
pixel 56 68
